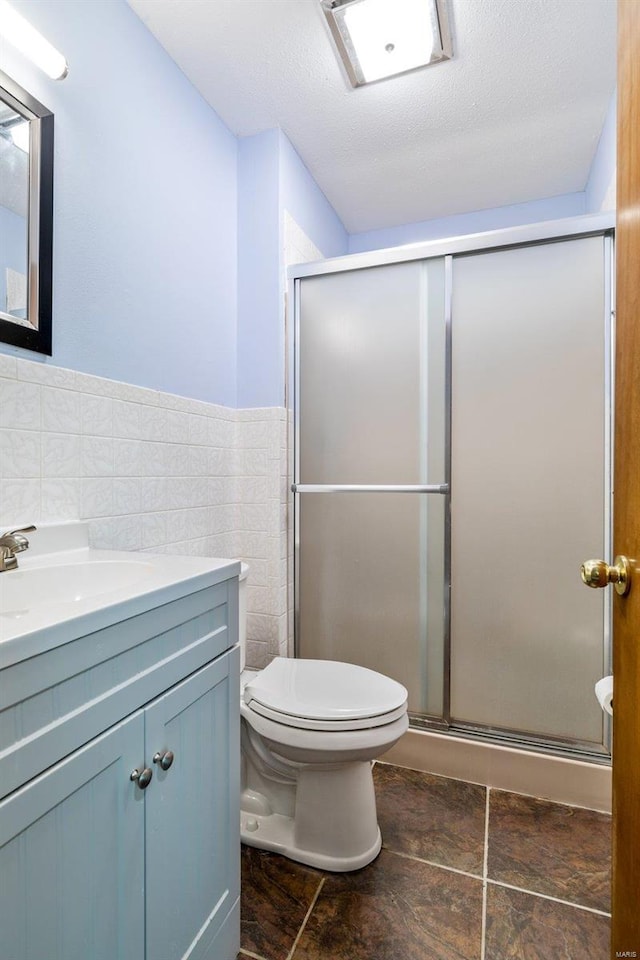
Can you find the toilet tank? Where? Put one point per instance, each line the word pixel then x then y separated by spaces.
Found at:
pixel 242 612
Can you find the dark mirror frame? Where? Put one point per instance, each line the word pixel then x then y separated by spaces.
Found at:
pixel 40 232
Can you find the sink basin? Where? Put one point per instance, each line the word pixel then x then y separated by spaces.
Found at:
pixel 64 589
pixel 22 590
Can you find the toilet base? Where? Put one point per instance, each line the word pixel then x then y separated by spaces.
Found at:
pixel 276 834
pixel 325 816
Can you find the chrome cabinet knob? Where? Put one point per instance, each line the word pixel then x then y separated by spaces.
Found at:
pixel 165 759
pixel 142 778
pixel 597 573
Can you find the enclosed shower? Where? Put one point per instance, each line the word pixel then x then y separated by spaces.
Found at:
pixel 452 471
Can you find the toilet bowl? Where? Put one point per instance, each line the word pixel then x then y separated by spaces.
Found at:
pixel 310 730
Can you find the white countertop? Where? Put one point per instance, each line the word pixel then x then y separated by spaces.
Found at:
pixel 29 628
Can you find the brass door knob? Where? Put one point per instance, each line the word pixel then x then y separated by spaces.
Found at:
pixel 597 573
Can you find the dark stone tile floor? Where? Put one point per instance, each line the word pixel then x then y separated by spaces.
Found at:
pixel 431 818
pixel 276 895
pixel 537 889
pixel 548 848
pixel 522 926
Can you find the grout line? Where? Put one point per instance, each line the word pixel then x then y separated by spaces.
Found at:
pixel 485 864
pixel 304 922
pixel 487 880
pixel 432 863
pixel 546 896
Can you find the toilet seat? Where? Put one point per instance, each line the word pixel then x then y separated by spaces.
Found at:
pixel 324 695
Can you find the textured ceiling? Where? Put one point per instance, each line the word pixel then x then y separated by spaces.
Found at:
pixel 515 116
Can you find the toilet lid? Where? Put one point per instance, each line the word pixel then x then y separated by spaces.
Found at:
pixel 311 692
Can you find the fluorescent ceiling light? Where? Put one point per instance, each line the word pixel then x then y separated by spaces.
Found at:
pixel 382 38
pixel 25 38
pixel 390 39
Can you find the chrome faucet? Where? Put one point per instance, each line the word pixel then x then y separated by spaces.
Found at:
pixel 13 542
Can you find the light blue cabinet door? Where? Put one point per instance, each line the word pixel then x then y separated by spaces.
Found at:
pixel 192 818
pixel 72 856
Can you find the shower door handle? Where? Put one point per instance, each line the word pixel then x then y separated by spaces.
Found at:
pixel 597 573
pixel 441 488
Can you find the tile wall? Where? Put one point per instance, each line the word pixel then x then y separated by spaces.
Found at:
pixel 151 471
pixel 260 535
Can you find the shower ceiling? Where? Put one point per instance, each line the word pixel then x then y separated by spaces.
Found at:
pixel 515 115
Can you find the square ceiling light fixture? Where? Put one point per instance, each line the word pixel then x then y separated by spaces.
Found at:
pixel 377 39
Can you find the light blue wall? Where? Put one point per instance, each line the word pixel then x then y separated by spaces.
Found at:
pixel 600 192
pixel 145 206
pixel 301 196
pixel 272 179
pixel 553 208
pixel 13 244
pixel 260 327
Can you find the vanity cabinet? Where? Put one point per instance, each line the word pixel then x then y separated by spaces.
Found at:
pixel 94 865
pixel 72 856
pixel 192 814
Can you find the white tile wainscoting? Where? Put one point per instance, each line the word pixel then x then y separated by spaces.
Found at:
pixel 151 471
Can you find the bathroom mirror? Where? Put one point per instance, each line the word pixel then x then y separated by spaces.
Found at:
pixel 26 218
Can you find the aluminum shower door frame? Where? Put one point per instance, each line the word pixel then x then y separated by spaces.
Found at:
pixel 602 224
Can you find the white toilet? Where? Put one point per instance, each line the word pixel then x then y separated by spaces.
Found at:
pixel 310 730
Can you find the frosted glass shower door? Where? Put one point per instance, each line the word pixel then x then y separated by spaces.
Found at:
pixel 528 479
pixel 371 362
